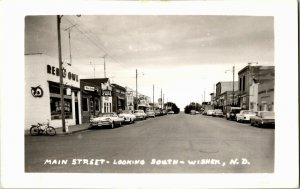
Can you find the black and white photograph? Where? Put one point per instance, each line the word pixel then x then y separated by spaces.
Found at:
pixel 166 93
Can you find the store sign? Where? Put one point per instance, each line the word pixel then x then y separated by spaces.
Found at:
pixel 55 71
pixel 106 93
pixel 89 88
pixel 37 91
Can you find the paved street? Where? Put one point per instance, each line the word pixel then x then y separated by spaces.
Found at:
pixel 177 143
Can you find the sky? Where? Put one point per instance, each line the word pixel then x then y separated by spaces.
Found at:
pixel 184 56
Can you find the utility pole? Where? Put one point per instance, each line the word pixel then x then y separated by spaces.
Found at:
pixel 163 101
pixel 233 85
pixel 104 65
pixel 161 98
pixel 153 97
pixel 69 30
pixel 136 88
pixel 64 128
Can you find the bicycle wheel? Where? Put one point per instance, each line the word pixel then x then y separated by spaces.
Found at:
pixel 50 131
pixel 34 130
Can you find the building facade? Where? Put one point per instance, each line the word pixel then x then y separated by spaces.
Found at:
pixel 90 101
pixel 118 98
pixel 254 84
pixel 105 92
pixel 42 92
pixel 129 99
pixel 222 87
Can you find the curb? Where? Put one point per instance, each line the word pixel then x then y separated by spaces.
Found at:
pixel 72 132
pixel 27 133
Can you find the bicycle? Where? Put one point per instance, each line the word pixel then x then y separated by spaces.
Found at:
pixel 42 128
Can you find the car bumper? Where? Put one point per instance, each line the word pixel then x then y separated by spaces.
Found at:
pixel 100 124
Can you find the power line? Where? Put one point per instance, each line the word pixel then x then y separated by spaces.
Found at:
pixel 92 40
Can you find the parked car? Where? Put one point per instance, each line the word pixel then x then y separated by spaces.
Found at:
pixel 150 113
pixel 106 119
pixel 209 112
pixel 197 112
pixel 128 116
pixel 164 112
pixel 217 112
pixel 232 113
pixel 193 112
pixel 204 112
pixel 170 112
pixel 263 118
pixel 140 114
pixel 244 116
pixel 158 112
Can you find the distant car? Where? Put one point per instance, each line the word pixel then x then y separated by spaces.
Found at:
pixel 263 118
pixel 217 113
pixel 232 113
pixel 158 112
pixel 171 112
pixel 197 112
pixel 164 112
pixel 106 119
pixel 150 113
pixel 244 116
pixel 128 116
pixel 140 114
pixel 204 112
pixel 193 112
pixel 209 112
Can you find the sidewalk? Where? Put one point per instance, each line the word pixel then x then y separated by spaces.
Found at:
pixel 72 129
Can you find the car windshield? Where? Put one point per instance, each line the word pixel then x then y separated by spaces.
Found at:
pixel 126 112
pixel 267 114
pixel 138 111
pixel 106 115
pixel 235 110
pixel 248 112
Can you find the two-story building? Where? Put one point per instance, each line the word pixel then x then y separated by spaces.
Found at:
pixel 256 87
pixel 222 87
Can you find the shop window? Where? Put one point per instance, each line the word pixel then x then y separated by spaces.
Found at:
pixel 104 107
pixel 55 89
pixel 55 105
pixel 85 104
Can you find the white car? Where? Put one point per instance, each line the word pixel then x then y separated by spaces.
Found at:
pixel 140 114
pixel 209 112
pixel 244 116
pixel 128 116
pixel 106 119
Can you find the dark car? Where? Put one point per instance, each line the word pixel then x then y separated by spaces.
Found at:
pixel 232 113
pixel 263 118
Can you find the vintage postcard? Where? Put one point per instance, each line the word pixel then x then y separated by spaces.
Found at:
pixel 158 94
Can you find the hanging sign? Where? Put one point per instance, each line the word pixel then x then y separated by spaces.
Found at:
pixel 37 91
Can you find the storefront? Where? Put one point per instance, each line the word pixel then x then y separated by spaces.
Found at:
pixel 118 98
pixel 105 96
pixel 90 102
pixel 42 92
